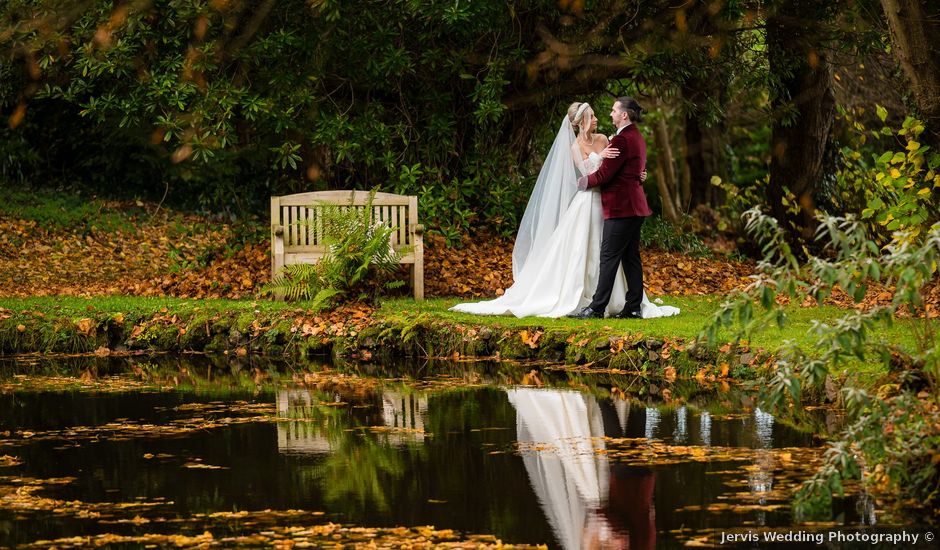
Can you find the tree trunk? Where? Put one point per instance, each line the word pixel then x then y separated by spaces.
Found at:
pixel 666 181
pixel 804 107
pixel 699 181
pixel 915 35
pixel 704 151
pixel 685 187
pixel 660 173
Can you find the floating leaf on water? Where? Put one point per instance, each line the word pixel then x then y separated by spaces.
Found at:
pixel 7 461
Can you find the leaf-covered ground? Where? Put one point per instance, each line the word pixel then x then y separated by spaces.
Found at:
pixel 171 254
pixel 140 250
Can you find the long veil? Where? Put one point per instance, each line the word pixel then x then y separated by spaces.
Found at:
pixel 555 187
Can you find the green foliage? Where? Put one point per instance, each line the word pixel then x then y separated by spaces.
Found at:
pixel 660 233
pixel 851 261
pixel 740 197
pixel 895 189
pixel 56 210
pixel 192 99
pixel 890 446
pixel 223 104
pixel 359 259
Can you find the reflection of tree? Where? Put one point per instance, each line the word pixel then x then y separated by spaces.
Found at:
pixel 760 477
pixel 361 469
pixel 360 466
pixel 705 428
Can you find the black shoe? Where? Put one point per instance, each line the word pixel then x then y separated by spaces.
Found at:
pixel 586 313
pixel 629 314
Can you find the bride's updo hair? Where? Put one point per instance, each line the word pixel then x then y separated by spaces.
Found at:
pixel 577 116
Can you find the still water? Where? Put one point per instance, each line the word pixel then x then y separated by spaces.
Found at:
pixel 142 446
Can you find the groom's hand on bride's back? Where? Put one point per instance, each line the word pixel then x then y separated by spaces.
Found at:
pixel 643 176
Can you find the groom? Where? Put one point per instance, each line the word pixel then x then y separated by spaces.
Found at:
pixel 625 208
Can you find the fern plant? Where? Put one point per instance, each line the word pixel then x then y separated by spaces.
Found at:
pixel 360 259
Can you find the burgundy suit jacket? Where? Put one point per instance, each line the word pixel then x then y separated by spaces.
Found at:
pixel 622 193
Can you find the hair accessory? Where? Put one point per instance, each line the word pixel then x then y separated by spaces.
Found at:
pixel 584 106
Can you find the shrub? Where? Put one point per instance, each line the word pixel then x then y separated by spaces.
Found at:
pixel 660 233
pixel 893 437
pixel 896 188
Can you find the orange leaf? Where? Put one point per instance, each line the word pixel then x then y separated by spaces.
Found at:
pixel 86 326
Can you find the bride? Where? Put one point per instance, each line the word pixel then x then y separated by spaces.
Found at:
pixel 556 258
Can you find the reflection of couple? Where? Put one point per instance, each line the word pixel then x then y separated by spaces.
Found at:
pixel 589 504
pixel 573 248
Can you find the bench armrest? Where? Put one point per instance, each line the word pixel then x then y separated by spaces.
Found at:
pixel 419 229
pixel 279 230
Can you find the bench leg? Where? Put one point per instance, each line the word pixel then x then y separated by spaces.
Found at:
pixel 417 280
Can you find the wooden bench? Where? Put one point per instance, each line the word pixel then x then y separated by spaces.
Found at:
pixel 293 242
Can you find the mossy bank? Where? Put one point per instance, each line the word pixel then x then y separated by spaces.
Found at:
pixel 76 325
pixel 120 325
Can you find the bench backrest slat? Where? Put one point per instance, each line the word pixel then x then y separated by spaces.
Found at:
pixel 303 221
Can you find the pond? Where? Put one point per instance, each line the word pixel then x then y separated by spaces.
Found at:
pixel 138 450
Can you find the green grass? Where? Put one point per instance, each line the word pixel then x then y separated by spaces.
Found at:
pixel 52 210
pixel 71 306
pixel 696 312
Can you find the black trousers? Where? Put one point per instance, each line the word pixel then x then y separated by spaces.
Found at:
pixel 620 246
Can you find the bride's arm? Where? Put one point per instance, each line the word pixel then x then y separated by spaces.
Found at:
pixel 578 159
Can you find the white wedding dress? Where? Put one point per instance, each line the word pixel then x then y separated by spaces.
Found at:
pixel 556 273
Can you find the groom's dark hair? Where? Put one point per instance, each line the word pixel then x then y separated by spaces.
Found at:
pixel 633 109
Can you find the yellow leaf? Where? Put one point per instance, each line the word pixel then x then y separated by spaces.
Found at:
pixel 913 145
pixel 895 173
